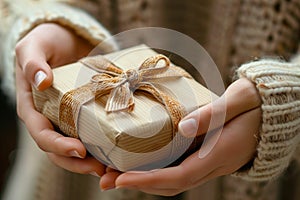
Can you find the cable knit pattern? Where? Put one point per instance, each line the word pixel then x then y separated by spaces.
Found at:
pixel 279 86
pixel 28 14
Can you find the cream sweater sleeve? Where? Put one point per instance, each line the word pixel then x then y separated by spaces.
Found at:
pixel 17 18
pixel 279 86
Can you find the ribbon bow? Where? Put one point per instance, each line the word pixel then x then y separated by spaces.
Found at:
pixel 121 85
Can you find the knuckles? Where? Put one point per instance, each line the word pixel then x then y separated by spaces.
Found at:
pixel 252 92
pixel 40 145
pixel 19 48
pixel 246 89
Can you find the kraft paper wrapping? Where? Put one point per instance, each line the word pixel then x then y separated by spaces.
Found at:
pixel 137 140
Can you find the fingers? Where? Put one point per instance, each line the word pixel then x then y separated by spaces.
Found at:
pixel 167 181
pixel 88 165
pixel 39 73
pixel 36 53
pixel 236 145
pixel 173 180
pixel 177 177
pixel 239 138
pixel 49 140
pixel 40 127
pixel 107 181
pixel 161 178
pixel 240 97
pixel 32 59
pixel 235 148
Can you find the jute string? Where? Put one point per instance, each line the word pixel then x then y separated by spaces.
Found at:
pixel 120 86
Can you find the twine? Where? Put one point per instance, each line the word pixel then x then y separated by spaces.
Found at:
pixel 120 86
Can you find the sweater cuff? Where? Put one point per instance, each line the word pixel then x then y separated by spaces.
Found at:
pixel 278 84
pixel 47 11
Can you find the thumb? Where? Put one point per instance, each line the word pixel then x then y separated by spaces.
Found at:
pixel 32 60
pixel 204 119
pixel 241 96
pixel 38 73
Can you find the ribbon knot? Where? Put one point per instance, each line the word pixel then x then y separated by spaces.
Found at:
pixel 132 76
pixel 120 86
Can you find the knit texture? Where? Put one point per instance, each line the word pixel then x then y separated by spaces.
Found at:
pixel 279 86
pixel 29 14
pixel 265 28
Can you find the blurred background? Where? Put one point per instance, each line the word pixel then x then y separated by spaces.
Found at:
pixel 8 138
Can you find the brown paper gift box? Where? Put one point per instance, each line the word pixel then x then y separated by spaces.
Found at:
pixel 141 139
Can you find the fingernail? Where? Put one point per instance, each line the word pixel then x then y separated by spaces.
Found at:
pixel 39 77
pixel 74 153
pixel 94 174
pixel 188 127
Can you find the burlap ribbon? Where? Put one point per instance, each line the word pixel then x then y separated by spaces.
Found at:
pixel 120 86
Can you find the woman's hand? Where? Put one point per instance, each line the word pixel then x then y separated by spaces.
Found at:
pixel 235 147
pixel 47 46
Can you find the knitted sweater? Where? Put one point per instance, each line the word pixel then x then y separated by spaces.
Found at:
pixel 234 33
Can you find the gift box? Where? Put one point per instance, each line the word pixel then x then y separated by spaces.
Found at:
pixel 125 107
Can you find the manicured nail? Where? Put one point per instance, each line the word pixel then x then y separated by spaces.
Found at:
pixel 94 174
pixel 39 77
pixel 74 153
pixel 188 127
